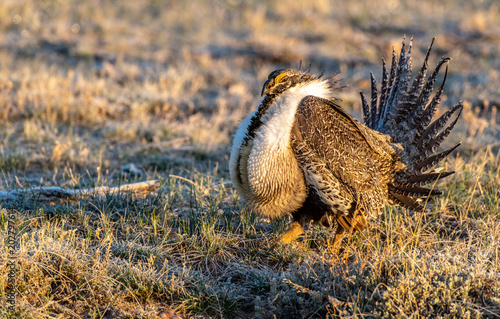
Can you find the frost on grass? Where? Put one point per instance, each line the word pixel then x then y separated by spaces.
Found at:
pixel 88 87
pixel 190 248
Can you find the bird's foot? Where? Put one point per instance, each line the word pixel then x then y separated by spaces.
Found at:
pixel 291 235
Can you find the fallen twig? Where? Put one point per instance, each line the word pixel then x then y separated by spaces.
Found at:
pixel 53 192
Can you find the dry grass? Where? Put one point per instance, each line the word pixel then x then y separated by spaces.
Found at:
pixel 89 86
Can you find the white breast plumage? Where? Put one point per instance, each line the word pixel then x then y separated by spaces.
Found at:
pixel 266 165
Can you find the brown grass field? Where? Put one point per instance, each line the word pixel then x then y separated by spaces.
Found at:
pixel 88 87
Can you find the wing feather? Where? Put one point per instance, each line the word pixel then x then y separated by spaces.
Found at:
pixel 340 157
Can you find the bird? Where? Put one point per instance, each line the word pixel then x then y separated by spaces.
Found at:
pixel 301 153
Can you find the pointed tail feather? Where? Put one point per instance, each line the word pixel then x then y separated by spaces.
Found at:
pixel 370 111
pixel 403 109
pixel 383 91
pixel 401 99
pixel 405 201
pixel 431 133
pixel 434 159
pixel 366 109
pixel 397 76
pixel 386 90
pixel 425 94
pixel 430 110
pixel 416 191
pixel 419 81
pixel 424 179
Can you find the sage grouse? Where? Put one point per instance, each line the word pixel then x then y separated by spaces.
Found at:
pixel 301 153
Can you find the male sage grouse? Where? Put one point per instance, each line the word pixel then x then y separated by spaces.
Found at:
pixel 301 153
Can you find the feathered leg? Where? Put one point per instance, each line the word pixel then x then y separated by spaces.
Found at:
pixel 348 226
pixel 292 234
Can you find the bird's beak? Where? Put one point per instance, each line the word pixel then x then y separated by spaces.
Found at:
pixel 266 87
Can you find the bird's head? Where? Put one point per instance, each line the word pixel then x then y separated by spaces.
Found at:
pixel 281 80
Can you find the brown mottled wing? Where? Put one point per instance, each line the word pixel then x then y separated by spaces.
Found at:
pixel 339 158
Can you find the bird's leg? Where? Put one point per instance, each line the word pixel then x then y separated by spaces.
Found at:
pixel 339 232
pixel 292 234
pixel 348 226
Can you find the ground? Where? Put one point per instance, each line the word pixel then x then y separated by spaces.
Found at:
pixel 88 87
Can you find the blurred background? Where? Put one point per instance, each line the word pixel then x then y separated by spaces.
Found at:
pixel 102 93
pixel 93 85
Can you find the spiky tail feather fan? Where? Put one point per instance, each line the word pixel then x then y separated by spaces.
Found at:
pixel 404 112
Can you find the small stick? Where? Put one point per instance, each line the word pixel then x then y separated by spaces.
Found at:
pixel 53 193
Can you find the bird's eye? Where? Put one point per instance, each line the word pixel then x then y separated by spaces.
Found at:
pixel 280 78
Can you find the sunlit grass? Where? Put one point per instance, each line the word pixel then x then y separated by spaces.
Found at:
pixel 87 87
pixel 192 248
